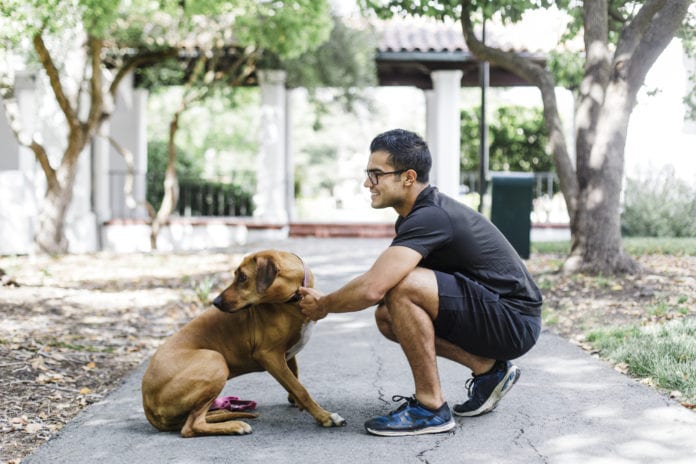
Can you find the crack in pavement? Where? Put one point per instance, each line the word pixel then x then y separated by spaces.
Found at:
pixel 379 361
pixel 421 456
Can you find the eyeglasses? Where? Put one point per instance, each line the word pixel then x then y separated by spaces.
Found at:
pixel 374 175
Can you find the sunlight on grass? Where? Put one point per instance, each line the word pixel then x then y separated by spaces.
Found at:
pixel 664 353
pixel 635 246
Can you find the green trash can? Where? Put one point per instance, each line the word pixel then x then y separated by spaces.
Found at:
pixel 511 207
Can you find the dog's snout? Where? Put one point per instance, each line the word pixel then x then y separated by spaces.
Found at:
pixel 217 302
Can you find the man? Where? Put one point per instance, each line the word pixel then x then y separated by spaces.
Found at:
pixel 448 285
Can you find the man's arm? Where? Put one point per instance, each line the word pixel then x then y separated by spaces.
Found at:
pixel 365 290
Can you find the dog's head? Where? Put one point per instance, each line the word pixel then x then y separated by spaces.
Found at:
pixel 268 276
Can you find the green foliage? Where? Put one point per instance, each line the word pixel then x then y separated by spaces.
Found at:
pixel 97 15
pixel 508 10
pixel 660 205
pixel 217 135
pixel 346 61
pixel 198 197
pixel 287 28
pixel 517 137
pixel 661 352
pixel 158 156
pixel 634 246
pixel 567 68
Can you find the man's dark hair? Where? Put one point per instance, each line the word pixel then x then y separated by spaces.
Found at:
pixel 407 150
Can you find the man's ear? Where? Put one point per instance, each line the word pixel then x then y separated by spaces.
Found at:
pixel 411 176
pixel 266 272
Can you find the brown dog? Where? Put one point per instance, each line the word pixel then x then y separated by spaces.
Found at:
pixel 258 326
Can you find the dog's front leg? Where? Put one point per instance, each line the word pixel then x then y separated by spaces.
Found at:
pixel 277 366
pixel 292 364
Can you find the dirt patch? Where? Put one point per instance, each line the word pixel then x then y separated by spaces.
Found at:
pixel 73 327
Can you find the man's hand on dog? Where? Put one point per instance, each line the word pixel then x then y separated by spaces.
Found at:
pixel 310 304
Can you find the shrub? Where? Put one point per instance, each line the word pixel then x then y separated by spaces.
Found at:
pixel 660 205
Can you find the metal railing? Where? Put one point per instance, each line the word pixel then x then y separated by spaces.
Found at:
pixel 545 183
pixel 197 197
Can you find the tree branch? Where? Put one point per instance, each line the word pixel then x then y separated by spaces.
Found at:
pixel 139 60
pixel 96 89
pixel 130 166
pixel 633 32
pixel 660 31
pixel 26 140
pixel 54 79
pixel 543 80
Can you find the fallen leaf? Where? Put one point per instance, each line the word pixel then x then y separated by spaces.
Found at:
pixel 622 367
pixel 85 391
pixel 33 428
pixel 38 364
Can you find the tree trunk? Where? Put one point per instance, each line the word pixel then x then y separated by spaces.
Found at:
pixel 607 96
pixel 597 247
pixel 50 234
pixel 171 186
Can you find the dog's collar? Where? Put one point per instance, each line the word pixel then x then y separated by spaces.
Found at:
pixel 296 296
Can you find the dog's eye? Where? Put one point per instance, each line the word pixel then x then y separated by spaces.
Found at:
pixel 241 278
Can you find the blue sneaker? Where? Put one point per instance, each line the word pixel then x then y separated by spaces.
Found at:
pixel 486 390
pixel 411 418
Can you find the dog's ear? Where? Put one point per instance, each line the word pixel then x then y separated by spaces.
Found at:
pixel 266 272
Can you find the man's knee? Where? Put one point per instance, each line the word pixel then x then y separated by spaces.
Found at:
pixel 406 288
pixel 418 287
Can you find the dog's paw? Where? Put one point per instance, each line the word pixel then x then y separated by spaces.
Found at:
pixel 334 420
pixel 240 428
pixel 243 429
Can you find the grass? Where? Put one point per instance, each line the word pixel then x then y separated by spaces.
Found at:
pixel 635 246
pixel 663 353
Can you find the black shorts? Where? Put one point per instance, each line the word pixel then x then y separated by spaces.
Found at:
pixel 477 320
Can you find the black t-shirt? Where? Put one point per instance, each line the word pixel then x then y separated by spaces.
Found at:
pixel 454 238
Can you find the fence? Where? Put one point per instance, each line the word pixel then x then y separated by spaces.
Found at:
pixel 545 183
pixel 197 197
pixel 548 206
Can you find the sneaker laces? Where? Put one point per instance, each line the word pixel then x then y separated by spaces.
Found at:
pixel 470 385
pixel 410 401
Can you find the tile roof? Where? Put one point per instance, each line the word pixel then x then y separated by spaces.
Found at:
pixel 410 48
pixel 537 34
pixel 411 35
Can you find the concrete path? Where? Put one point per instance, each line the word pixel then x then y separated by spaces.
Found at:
pixel 568 407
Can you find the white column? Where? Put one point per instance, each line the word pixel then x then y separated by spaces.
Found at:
pixel 21 179
pixel 81 229
pixel 430 128
pixel 446 133
pixel 140 97
pixel 100 174
pixel 289 157
pixel 270 197
pixel 129 128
